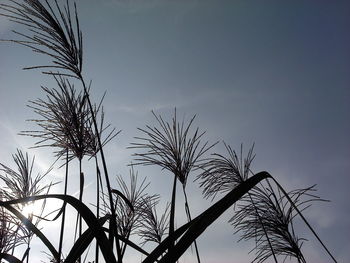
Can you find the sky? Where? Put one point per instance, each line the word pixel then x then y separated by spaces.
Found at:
pixel 273 73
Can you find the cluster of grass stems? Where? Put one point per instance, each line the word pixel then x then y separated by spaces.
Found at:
pixel 72 125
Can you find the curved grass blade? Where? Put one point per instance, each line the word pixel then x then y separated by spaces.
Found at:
pixel 174 147
pixel 210 215
pixel 130 243
pixel 9 258
pixel 29 225
pixel 83 242
pixel 166 243
pixel 126 200
pixel 85 212
pixel 26 254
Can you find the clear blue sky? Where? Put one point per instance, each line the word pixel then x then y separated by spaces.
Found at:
pixel 276 73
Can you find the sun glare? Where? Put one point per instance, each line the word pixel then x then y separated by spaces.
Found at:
pixel 30 209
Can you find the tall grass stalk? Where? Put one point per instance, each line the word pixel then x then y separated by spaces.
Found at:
pixel 60 244
pixel 72 125
pixel 174 147
pixel 221 173
pixel 304 219
pixel 20 184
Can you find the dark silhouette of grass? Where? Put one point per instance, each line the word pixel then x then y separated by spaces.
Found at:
pixel 73 127
pixel 18 185
pixel 173 147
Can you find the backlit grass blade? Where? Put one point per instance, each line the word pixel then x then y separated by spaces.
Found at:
pixel 130 243
pixel 9 258
pixel 83 242
pixel 210 215
pixel 29 225
pixel 126 200
pixel 87 215
pixel 166 243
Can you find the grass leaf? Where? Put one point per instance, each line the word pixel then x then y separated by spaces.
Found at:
pixel 9 258
pixel 29 225
pixel 210 215
pixel 84 211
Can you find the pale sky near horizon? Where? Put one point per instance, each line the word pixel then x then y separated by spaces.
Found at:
pixel 273 73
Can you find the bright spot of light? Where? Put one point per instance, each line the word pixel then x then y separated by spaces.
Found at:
pixel 30 209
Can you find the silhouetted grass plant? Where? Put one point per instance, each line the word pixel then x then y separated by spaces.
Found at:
pixel 10 230
pixel 174 147
pixel 21 184
pixel 267 212
pixel 73 127
pixel 153 227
